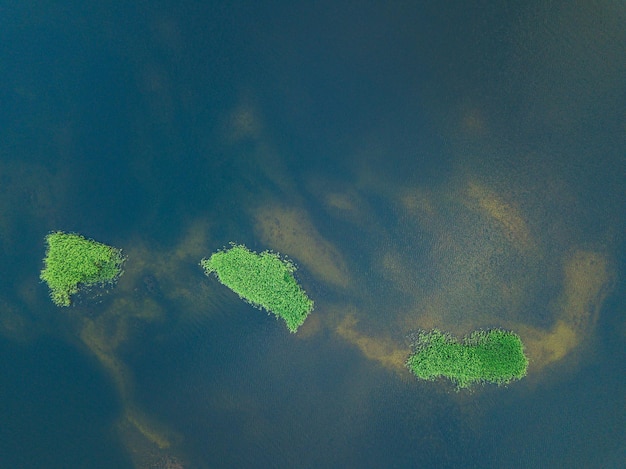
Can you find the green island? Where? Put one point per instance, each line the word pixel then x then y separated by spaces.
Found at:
pixel 72 261
pixel 264 280
pixel 492 356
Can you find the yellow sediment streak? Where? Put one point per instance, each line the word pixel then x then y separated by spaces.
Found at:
pixel 147 428
pixel 290 231
pixel 382 350
pixel 103 337
pixel 507 216
pixel 586 280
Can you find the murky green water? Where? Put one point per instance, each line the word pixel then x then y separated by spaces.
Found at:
pixel 425 166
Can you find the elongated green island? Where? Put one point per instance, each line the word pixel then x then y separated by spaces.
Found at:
pixel 264 280
pixel 492 356
pixel 73 261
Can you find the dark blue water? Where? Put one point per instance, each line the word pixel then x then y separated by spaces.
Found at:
pixel 58 408
pixel 443 165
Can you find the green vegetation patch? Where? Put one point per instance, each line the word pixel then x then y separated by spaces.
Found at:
pixel 72 261
pixel 493 356
pixel 264 280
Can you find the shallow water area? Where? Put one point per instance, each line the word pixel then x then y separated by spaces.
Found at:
pixel 446 166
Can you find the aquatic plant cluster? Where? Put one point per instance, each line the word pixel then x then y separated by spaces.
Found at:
pixel 72 260
pixel 266 281
pixel 493 356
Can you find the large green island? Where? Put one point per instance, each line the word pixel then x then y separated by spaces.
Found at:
pixel 492 356
pixel 264 280
pixel 72 261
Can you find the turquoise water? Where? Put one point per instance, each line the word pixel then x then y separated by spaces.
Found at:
pixel 425 166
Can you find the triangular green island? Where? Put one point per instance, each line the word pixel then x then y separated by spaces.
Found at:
pixel 73 261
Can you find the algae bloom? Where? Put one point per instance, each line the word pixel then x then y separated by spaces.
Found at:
pixel 493 356
pixel 72 261
pixel 264 280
